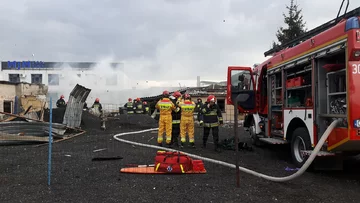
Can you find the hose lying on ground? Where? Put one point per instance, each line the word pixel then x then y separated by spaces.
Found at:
pixel 271 178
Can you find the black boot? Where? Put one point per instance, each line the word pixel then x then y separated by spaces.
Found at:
pixel 192 145
pixel 181 145
pixel 217 148
pixel 175 144
pixel 203 145
pixel 160 144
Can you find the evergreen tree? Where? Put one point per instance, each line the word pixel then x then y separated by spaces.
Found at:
pixel 295 25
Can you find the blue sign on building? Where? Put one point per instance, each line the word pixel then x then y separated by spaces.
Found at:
pixel 25 64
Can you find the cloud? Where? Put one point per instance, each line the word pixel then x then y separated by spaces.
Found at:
pixel 157 39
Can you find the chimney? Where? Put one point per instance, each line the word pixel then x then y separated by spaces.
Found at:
pixel 198 81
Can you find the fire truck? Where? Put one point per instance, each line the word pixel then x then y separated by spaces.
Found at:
pixel 292 97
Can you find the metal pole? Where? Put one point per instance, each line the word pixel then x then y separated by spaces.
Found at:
pixel 236 141
pixel 50 142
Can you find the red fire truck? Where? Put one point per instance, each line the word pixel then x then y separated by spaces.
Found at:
pixel 292 97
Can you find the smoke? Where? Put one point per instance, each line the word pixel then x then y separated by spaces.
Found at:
pixel 112 84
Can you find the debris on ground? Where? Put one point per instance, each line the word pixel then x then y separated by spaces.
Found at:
pixel 23 130
pixel 229 144
pixel 106 158
pixel 291 169
pixel 99 150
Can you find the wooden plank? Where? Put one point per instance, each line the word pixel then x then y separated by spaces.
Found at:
pixel 63 139
pixel 5 137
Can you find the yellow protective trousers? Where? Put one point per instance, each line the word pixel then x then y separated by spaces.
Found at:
pixel 165 125
pixel 187 126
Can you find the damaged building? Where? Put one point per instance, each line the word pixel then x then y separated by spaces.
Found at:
pixel 23 114
pixel 20 97
pixel 219 91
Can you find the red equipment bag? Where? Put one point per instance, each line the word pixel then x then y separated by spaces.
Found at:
pixel 172 162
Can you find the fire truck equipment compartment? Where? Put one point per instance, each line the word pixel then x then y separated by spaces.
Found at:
pixel 333 67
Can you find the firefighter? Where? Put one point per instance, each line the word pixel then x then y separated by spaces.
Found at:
pixel 197 111
pixel 211 118
pixel 176 116
pixel 187 120
pixel 97 107
pixel 165 106
pixel 60 103
pixel 98 110
pixel 146 108
pixel 138 106
pixel 129 106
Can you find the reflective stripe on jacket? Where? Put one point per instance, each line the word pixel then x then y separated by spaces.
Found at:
pixel 166 106
pixel 211 116
pixel 187 108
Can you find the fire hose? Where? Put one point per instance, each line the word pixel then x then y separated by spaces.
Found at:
pixel 267 177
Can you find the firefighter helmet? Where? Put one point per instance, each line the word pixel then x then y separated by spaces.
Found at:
pixel 187 96
pixel 62 97
pixel 129 99
pixel 211 98
pixel 144 102
pixel 138 99
pixel 97 100
pixel 176 94
pixel 166 93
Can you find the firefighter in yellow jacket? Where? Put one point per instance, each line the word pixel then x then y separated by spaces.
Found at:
pixel 165 106
pixel 187 120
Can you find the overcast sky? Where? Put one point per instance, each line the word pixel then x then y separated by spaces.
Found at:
pixel 160 39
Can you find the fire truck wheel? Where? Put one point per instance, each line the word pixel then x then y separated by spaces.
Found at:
pixel 254 138
pixel 300 141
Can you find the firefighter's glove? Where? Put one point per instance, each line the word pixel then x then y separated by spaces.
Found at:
pixel 201 123
pixel 221 122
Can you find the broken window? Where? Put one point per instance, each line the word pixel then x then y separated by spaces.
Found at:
pixel 221 104
pixel 8 106
pixel 53 79
pixel 36 78
pixel 14 78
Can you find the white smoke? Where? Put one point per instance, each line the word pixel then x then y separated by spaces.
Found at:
pixel 99 80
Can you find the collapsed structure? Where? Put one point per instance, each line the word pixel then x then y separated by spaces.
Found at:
pixel 24 114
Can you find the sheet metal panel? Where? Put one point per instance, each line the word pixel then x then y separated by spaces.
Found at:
pixel 74 107
pixel 30 128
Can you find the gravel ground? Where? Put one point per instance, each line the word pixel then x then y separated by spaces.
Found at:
pixel 76 178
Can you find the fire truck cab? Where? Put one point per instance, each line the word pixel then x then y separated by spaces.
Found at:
pixel 292 97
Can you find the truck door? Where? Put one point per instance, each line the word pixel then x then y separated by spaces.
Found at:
pixel 241 86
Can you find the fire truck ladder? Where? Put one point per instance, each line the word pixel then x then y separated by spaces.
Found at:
pixel 317 30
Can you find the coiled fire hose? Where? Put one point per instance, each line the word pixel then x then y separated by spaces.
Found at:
pixel 267 177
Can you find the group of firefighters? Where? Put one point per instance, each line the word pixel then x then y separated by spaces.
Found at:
pixel 60 103
pixel 137 107
pixel 177 118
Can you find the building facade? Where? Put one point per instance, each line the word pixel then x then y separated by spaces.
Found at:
pixel 23 95
pixel 61 77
